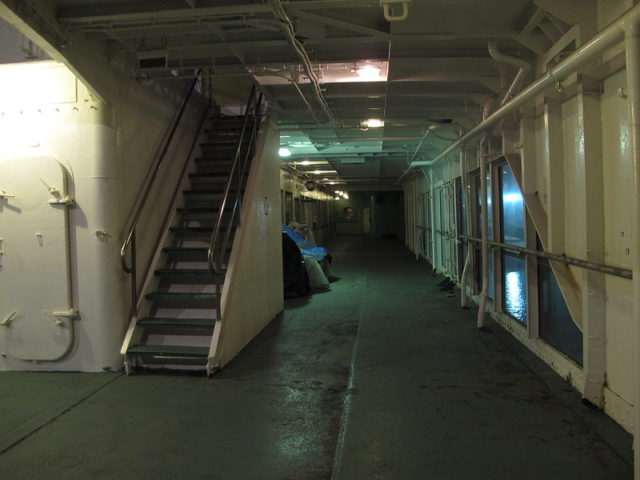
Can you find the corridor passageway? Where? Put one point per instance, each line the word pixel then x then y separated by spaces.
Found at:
pixel 383 377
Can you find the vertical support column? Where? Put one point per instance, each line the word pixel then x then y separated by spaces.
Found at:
pixel 632 43
pixel 535 219
pixel 589 159
pixel 496 229
pixel 555 202
pixel 554 173
pixel 432 203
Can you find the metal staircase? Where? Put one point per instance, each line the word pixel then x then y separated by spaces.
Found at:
pixel 177 318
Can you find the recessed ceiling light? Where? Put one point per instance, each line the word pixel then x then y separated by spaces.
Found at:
pixel 368 72
pixel 284 152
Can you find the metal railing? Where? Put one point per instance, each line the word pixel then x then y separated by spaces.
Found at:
pixel 577 262
pixel 141 201
pixel 241 161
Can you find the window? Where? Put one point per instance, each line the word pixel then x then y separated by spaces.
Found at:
pixel 462 225
pixel 514 275
pixel 556 326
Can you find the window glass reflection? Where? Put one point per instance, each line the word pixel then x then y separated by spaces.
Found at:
pixel 513 267
pixel 512 209
pixel 515 287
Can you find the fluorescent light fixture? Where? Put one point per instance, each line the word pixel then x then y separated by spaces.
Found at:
pixel 373 123
pixel 322 172
pixel 284 152
pixel 306 163
pixel 368 72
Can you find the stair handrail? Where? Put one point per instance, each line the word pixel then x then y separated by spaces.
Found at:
pixel 253 104
pixel 141 200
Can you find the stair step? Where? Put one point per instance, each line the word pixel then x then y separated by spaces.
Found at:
pixel 186 272
pixel 201 209
pixel 186 250
pixel 189 252
pixel 211 177
pixel 182 297
pixel 207 191
pixel 216 160
pixel 192 230
pixel 170 351
pixel 196 323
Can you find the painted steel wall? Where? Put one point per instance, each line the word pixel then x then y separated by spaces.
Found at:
pixel 106 150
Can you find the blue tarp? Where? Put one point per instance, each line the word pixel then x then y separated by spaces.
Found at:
pixel 306 247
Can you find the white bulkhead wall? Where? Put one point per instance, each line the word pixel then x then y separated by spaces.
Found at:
pixel 106 150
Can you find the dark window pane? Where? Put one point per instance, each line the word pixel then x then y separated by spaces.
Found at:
pixel 515 287
pixel 556 326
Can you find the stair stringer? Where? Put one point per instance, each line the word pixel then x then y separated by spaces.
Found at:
pixel 252 294
pixel 569 286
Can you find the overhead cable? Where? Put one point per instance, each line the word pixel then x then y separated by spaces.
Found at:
pixel 288 29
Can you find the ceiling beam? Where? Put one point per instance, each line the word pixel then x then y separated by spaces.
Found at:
pixel 148 12
pixel 342 24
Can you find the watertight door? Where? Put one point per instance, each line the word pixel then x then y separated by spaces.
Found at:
pixel 35 289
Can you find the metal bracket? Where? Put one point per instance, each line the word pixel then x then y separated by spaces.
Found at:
pixel 59 199
pixel 71 314
pixel 4 195
pixel 7 321
pixel 66 201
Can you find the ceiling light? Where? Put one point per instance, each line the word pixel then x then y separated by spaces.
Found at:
pixel 284 152
pixel 368 72
pixel 346 196
pixel 305 162
pixel 373 123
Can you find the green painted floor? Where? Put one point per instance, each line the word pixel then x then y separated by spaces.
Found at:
pixel 384 377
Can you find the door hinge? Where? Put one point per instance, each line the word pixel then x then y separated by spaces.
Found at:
pixel 71 314
pixel 66 201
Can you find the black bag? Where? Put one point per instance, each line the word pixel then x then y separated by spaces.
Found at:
pixel 295 277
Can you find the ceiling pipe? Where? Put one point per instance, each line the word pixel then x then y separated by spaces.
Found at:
pixel 424 137
pixel 521 64
pixel 604 40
